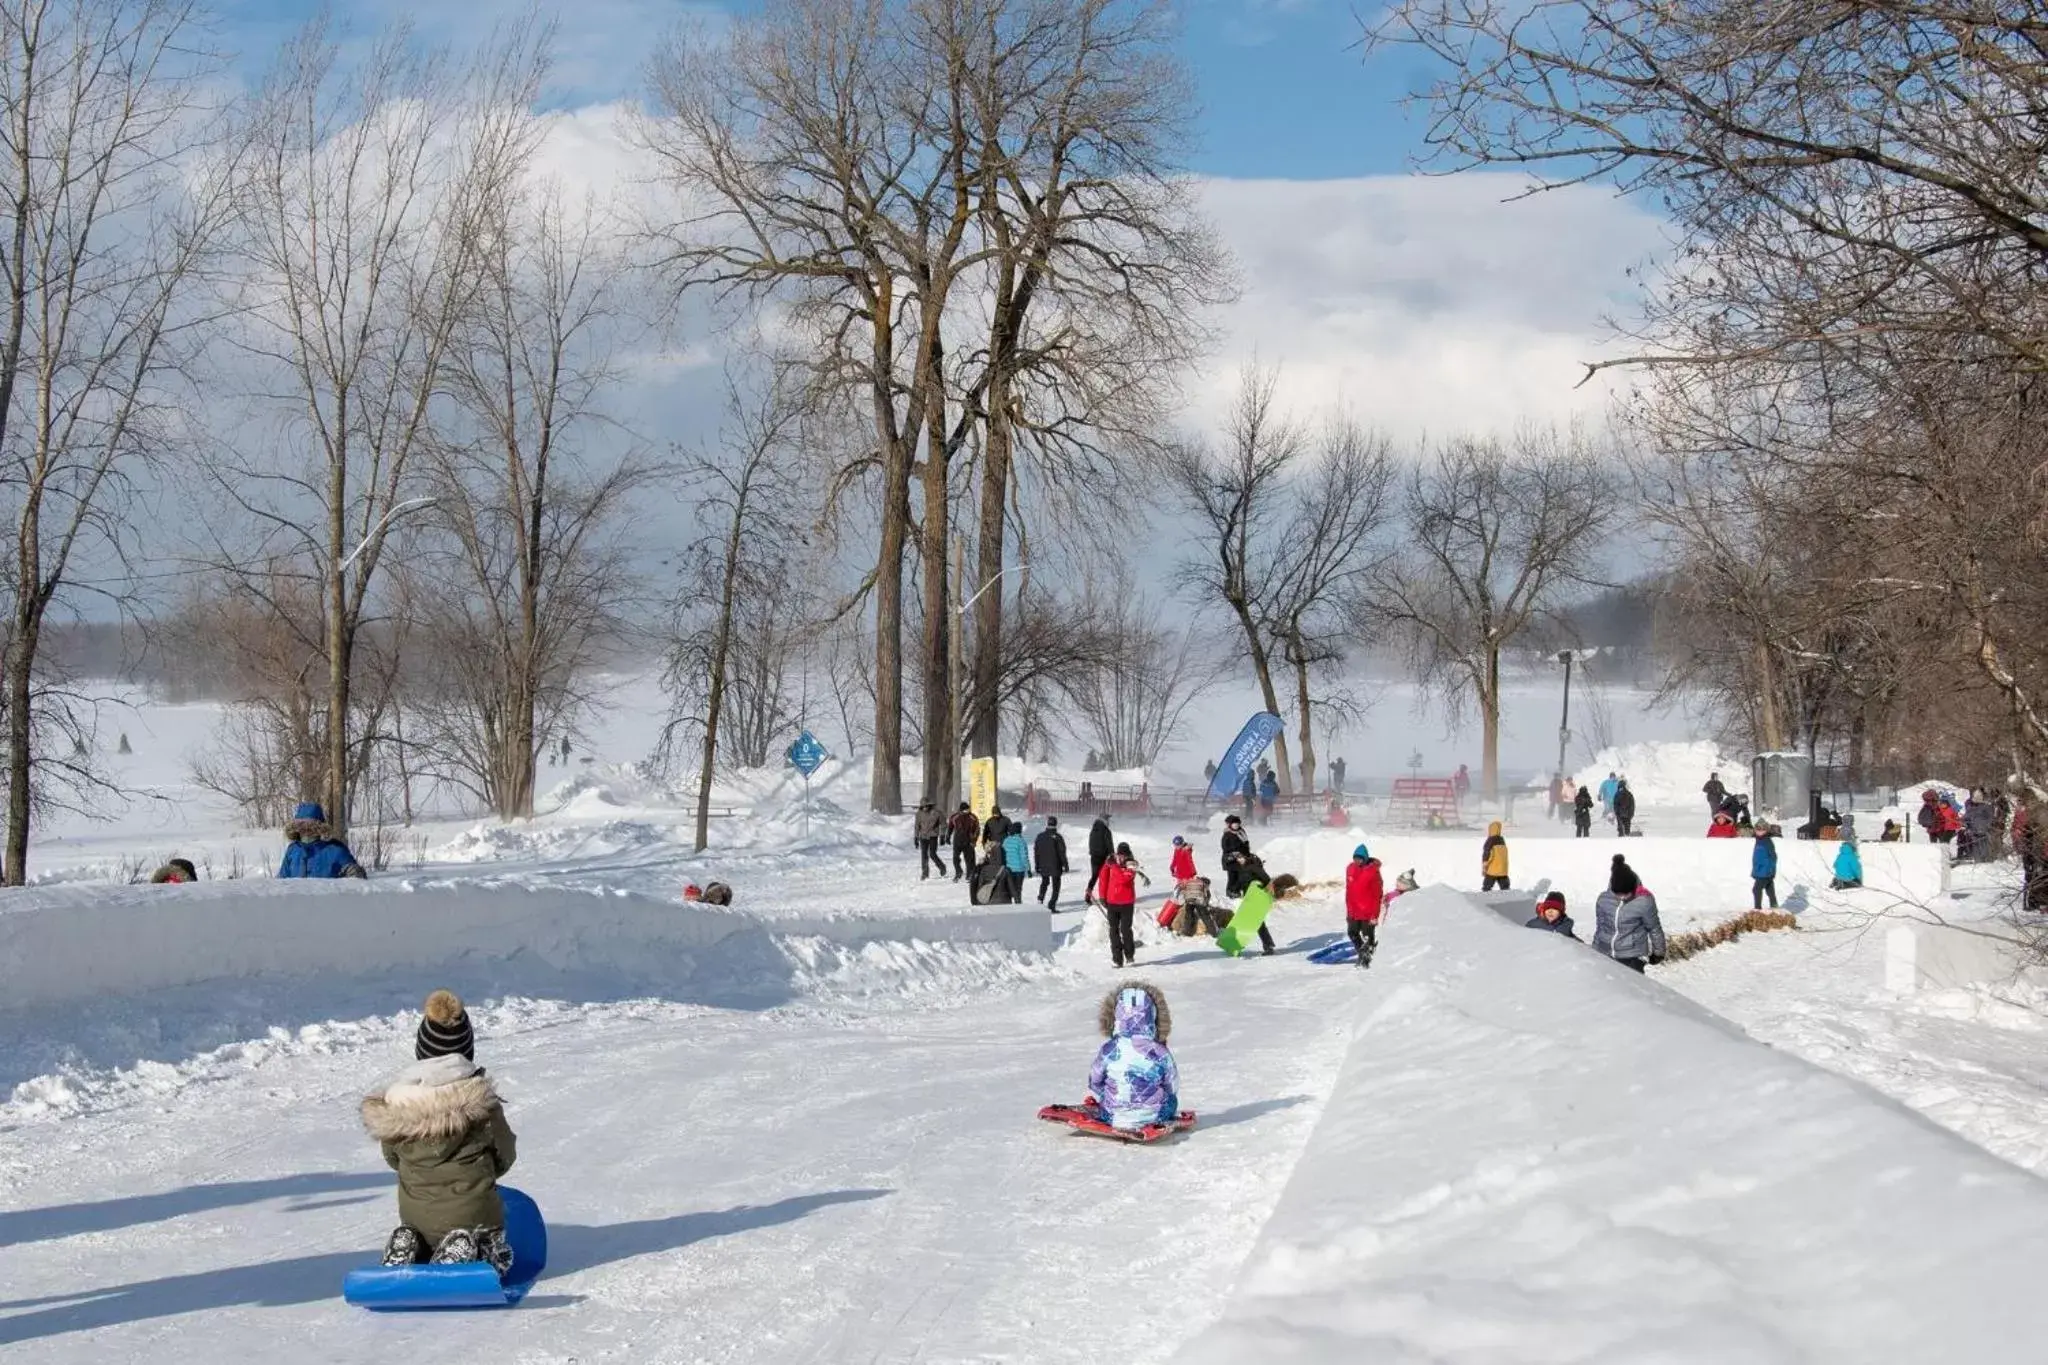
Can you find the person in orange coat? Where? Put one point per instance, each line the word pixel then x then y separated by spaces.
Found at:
pixel 1364 898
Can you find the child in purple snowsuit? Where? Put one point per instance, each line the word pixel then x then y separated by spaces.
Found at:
pixel 1134 1081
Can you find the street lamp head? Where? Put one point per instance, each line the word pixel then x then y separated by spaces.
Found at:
pixel 1564 656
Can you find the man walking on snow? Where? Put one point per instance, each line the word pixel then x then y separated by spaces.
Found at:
pixel 1101 845
pixel 1714 790
pixel 929 825
pixel 966 829
pixel 1050 853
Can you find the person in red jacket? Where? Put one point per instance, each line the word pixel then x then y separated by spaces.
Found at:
pixel 1117 892
pixel 1183 864
pixel 1723 826
pixel 1364 897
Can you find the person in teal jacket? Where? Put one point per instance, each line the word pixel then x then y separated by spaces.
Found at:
pixel 1848 867
pixel 1016 862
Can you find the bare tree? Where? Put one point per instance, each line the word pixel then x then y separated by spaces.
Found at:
pixel 364 208
pixel 536 577
pixel 114 210
pixel 745 497
pixel 1495 531
pixel 1330 546
pixel 1236 498
pixel 1131 705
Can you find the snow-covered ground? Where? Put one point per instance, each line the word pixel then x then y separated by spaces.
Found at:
pixel 801 1130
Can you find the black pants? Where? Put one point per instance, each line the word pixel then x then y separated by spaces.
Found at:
pixel 1762 887
pixel 1123 942
pixel 1364 937
pixel 1634 964
pixel 1094 871
pixel 1583 822
pixel 1621 824
pixel 963 861
pixel 928 858
pixel 1049 881
pixel 1496 884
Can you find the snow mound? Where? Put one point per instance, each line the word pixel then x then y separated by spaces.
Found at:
pixel 1666 774
pixel 1534 1117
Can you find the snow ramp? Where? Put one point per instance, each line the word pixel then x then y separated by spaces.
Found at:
pixel 98 977
pixel 1531 1155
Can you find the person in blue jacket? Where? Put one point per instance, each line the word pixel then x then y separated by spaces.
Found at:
pixel 313 851
pixel 1848 866
pixel 1269 796
pixel 1763 868
pixel 1016 862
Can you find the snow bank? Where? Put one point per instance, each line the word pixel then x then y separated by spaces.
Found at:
pixel 110 976
pixel 1531 1155
pixel 1669 774
pixel 1696 879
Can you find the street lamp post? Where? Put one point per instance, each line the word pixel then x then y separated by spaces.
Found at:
pixel 1564 724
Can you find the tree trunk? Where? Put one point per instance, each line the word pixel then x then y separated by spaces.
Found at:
pixel 20 745
pixel 984 727
pixel 721 650
pixel 338 640
pixel 1489 722
pixel 885 788
pixel 1770 722
pixel 1297 656
pixel 941 746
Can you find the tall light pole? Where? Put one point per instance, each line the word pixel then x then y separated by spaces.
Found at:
pixel 1564 724
pixel 957 645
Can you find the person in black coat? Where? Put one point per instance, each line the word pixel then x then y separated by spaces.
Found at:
pixel 996 828
pixel 1101 844
pixel 1624 809
pixel 1582 812
pixel 1049 852
pixel 966 828
pixel 1716 791
pixel 1237 852
pixel 1247 870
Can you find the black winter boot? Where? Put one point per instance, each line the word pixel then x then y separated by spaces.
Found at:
pixel 457 1247
pixel 404 1247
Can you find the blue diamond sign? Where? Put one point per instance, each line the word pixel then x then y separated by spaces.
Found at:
pixel 807 755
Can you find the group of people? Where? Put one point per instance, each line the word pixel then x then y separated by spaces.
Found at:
pixel 311 850
pixel 1569 801
pixel 1626 928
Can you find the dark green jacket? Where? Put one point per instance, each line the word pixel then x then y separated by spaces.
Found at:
pixel 443 1130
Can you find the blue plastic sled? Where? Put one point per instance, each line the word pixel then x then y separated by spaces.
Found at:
pixel 473 1284
pixel 1340 951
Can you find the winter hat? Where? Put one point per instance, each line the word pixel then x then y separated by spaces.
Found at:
pixel 1360 855
pixel 1623 880
pixel 444 1028
pixel 1232 822
pixel 1555 898
pixel 1123 850
pixel 1052 822
pixel 1179 842
pixel 310 810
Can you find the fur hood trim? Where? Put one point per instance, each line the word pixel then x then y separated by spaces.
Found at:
pixel 296 830
pixel 1105 1017
pixel 432 1100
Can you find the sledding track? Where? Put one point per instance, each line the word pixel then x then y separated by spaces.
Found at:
pixel 797 1184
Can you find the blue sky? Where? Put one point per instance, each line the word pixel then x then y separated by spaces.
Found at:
pixel 1284 89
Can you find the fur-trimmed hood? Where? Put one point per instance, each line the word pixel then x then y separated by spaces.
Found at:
pixel 1136 1010
pixel 431 1100
pixel 298 830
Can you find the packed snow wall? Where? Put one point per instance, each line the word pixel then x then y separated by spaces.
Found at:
pixel 1532 1154
pixel 109 976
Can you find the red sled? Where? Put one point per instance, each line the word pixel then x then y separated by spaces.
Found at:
pixel 1167 913
pixel 1087 1118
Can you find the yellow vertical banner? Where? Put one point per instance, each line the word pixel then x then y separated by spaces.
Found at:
pixel 981 786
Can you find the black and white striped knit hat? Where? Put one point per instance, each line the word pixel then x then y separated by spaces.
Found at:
pixel 444 1028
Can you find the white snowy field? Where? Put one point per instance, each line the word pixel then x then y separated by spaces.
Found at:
pixel 802 1130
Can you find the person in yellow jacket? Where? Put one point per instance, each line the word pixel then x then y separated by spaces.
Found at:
pixel 1493 859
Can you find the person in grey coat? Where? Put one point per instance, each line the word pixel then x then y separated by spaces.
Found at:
pixel 928 828
pixel 1626 925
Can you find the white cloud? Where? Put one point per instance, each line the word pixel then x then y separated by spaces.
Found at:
pixel 1423 303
